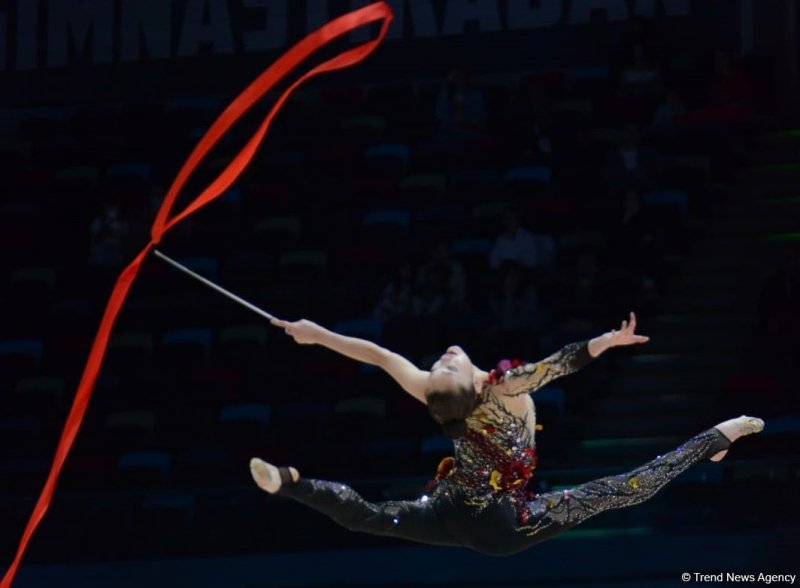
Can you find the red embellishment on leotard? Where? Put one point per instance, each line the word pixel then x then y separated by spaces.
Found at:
pixel 497 374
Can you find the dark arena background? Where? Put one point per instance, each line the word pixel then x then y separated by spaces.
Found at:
pixel 648 149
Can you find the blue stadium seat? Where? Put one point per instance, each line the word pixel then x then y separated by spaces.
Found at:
pixel 678 198
pixel 19 358
pixel 132 169
pixel 472 246
pixel 256 412
pixel 144 468
pixel 32 348
pixel 400 217
pixel 181 348
pixel 436 444
pixel 206 266
pixel 534 173
pixel 194 337
pixel 203 466
pixel 399 151
pixel 244 425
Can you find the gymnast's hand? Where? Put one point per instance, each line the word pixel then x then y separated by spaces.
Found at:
pixel 304 331
pixel 626 335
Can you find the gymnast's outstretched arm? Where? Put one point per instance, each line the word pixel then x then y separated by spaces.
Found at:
pixel 410 377
pixel 529 377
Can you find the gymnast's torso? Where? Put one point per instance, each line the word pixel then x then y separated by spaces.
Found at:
pixel 497 455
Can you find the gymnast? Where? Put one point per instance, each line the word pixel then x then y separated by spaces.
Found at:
pixel 480 498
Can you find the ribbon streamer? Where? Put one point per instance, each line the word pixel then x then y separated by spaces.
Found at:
pixel 337 28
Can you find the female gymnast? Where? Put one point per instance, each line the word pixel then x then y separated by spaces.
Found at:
pixel 479 499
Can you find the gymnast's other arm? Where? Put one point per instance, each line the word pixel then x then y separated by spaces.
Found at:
pixel 529 377
pixel 410 377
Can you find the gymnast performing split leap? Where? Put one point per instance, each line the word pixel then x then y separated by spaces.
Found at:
pixel 480 498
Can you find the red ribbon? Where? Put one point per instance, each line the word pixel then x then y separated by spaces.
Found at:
pixel 377 12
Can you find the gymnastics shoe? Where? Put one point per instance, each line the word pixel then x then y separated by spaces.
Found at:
pixel 732 429
pixel 270 478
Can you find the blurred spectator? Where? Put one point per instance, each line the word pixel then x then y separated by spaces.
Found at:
pixel 533 123
pixel 772 350
pixel 640 44
pixel 582 296
pixel 729 99
pixel 667 118
pixel 460 109
pixel 731 87
pixel 640 77
pixel 779 304
pixel 533 252
pixel 109 234
pixel 396 300
pixel 634 245
pixel 514 304
pixel 444 275
pixel 631 165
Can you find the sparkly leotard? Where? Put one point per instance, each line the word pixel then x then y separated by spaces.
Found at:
pixel 497 455
pixel 480 498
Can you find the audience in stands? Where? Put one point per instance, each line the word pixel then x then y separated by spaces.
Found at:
pixel 443 275
pixel 533 252
pixel 779 315
pixel 582 297
pixel 461 111
pixel 633 243
pixel 109 232
pixel 731 87
pixel 397 295
pixel 640 77
pixel 514 305
pixel 531 123
pixel 631 164
pixel 666 122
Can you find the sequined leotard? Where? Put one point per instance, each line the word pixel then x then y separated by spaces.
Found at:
pixel 480 498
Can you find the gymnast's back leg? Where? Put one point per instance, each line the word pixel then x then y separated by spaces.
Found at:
pixel 414 520
pixel 558 511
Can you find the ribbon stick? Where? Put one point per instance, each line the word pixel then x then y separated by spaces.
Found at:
pixel 211 284
pixel 337 28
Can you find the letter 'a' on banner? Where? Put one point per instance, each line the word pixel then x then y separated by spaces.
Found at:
pixel 378 12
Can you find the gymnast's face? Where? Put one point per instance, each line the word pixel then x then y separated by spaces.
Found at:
pixel 451 371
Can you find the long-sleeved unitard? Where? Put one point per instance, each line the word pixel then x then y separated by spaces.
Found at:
pixel 480 498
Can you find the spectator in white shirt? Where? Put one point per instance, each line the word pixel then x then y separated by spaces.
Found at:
pixel 522 246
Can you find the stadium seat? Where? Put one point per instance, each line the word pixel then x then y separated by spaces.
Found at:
pixel 143 469
pixel 677 198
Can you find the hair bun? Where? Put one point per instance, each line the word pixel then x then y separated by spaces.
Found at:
pixel 455 429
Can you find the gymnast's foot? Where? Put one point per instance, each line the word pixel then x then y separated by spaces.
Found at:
pixel 267 475
pixel 735 428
